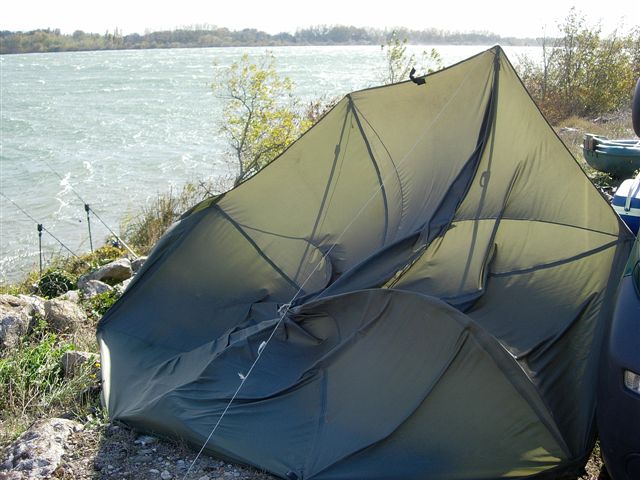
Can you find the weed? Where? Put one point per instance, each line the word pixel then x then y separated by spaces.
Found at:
pixel 98 305
pixel 145 229
pixel 55 282
pixel 32 383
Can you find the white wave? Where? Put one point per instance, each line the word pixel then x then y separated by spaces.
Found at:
pixel 65 183
pixel 67 189
pixel 88 167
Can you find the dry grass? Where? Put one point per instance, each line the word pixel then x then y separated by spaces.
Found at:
pixel 143 230
pixel 573 129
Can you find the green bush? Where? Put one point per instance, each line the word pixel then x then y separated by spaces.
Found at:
pixel 261 115
pixel 398 63
pixel 55 282
pixel 582 73
pixel 98 305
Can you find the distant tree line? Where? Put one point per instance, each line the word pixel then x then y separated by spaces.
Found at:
pixel 210 36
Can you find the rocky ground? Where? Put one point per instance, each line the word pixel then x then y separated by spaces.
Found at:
pixel 119 453
pixel 64 449
pixel 115 452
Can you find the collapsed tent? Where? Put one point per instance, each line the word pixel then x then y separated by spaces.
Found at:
pixel 439 274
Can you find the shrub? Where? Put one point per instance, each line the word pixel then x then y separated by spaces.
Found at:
pixel 398 63
pixel 261 115
pixel 582 73
pixel 98 305
pixel 55 282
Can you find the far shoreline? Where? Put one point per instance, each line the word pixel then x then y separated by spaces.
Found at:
pixel 53 41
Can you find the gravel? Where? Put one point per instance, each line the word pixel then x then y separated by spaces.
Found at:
pixel 115 452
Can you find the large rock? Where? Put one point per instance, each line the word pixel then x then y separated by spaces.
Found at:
pixel 91 288
pixel 38 452
pixel 137 263
pixel 71 295
pixel 74 362
pixel 121 287
pixel 33 304
pixel 64 315
pixel 17 316
pixel 111 273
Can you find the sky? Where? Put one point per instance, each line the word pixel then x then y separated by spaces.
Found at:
pixel 528 18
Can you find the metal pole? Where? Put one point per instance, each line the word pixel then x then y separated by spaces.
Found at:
pixel 87 209
pixel 40 245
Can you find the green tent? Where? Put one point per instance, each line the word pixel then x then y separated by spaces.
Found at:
pixel 425 278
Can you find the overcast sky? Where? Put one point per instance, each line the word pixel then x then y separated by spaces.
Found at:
pixel 521 18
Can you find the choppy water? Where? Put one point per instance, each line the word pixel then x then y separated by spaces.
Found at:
pixel 122 126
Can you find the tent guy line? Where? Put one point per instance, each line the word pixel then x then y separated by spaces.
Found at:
pixel 41 228
pixel 284 309
pixel 88 209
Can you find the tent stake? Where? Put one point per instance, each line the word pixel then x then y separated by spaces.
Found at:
pixel 87 209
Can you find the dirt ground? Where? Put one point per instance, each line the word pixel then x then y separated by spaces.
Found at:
pixel 115 452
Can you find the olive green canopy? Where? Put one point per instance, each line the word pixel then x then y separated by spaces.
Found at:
pixel 424 278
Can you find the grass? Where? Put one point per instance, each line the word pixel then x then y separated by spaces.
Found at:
pixel 573 129
pixel 32 384
pixel 143 230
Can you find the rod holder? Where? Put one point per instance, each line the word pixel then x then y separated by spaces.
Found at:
pixel 40 228
pixel 88 209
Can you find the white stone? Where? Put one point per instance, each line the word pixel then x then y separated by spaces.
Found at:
pixel 122 286
pixel 145 440
pixel 15 321
pixel 137 263
pixel 38 452
pixel 71 295
pixel 91 288
pixel 112 273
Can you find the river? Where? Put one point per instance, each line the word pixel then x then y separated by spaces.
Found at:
pixel 117 128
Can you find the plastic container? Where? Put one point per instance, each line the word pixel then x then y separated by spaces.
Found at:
pixel 626 203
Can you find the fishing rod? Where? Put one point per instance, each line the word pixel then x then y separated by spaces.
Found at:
pixel 88 209
pixel 41 228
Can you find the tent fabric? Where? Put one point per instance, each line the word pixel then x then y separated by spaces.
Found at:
pixel 446 271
